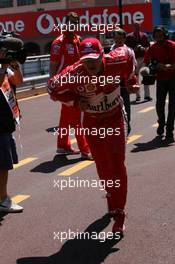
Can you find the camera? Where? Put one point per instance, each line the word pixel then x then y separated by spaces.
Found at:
pixel 149 73
pixel 13 46
pixel 152 67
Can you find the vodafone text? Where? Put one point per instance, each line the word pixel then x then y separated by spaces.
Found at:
pixel 47 18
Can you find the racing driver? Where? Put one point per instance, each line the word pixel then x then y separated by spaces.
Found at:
pixel 102 106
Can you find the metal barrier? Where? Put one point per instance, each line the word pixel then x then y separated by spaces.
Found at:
pixel 34 82
pixel 36 66
pixel 35 71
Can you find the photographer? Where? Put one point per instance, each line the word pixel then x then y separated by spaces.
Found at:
pixel 163 53
pixel 10 77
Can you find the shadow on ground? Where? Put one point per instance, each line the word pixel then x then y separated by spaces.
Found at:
pixel 52 129
pixel 81 250
pixel 2 215
pixel 134 102
pixel 57 162
pixel 155 143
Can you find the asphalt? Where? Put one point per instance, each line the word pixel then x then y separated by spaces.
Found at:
pixel 33 237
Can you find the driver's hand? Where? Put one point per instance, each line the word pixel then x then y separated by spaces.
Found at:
pixel 83 104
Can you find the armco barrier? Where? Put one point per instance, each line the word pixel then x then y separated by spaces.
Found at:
pixel 36 73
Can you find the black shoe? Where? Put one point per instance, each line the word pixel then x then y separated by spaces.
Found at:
pixel 138 99
pixel 169 137
pixel 160 130
pixel 148 98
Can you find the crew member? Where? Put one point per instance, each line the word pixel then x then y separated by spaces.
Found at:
pixel 119 38
pixel 162 53
pixel 64 52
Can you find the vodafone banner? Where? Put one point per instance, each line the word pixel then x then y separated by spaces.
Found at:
pixel 40 24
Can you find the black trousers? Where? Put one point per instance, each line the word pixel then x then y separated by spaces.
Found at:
pixel 163 88
pixel 126 100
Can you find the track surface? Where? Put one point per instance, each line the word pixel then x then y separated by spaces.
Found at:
pixel 28 238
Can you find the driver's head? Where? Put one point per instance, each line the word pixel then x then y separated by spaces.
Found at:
pixel 91 54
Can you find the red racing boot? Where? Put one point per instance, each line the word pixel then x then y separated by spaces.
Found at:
pixel 117 214
pixel 119 218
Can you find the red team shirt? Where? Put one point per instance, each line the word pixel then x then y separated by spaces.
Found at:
pixel 163 54
pixel 65 50
pixel 101 98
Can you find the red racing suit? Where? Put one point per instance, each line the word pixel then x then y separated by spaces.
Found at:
pixel 104 112
pixel 65 51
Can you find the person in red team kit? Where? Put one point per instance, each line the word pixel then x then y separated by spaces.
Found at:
pixel 161 55
pixel 119 40
pixel 64 52
pixel 102 106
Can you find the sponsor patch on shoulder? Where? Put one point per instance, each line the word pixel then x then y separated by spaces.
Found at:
pixel 56 48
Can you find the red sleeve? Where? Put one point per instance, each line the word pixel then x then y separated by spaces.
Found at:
pixel 147 56
pixel 124 65
pixel 56 51
pixel 67 98
pixel 129 66
pixel 62 90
